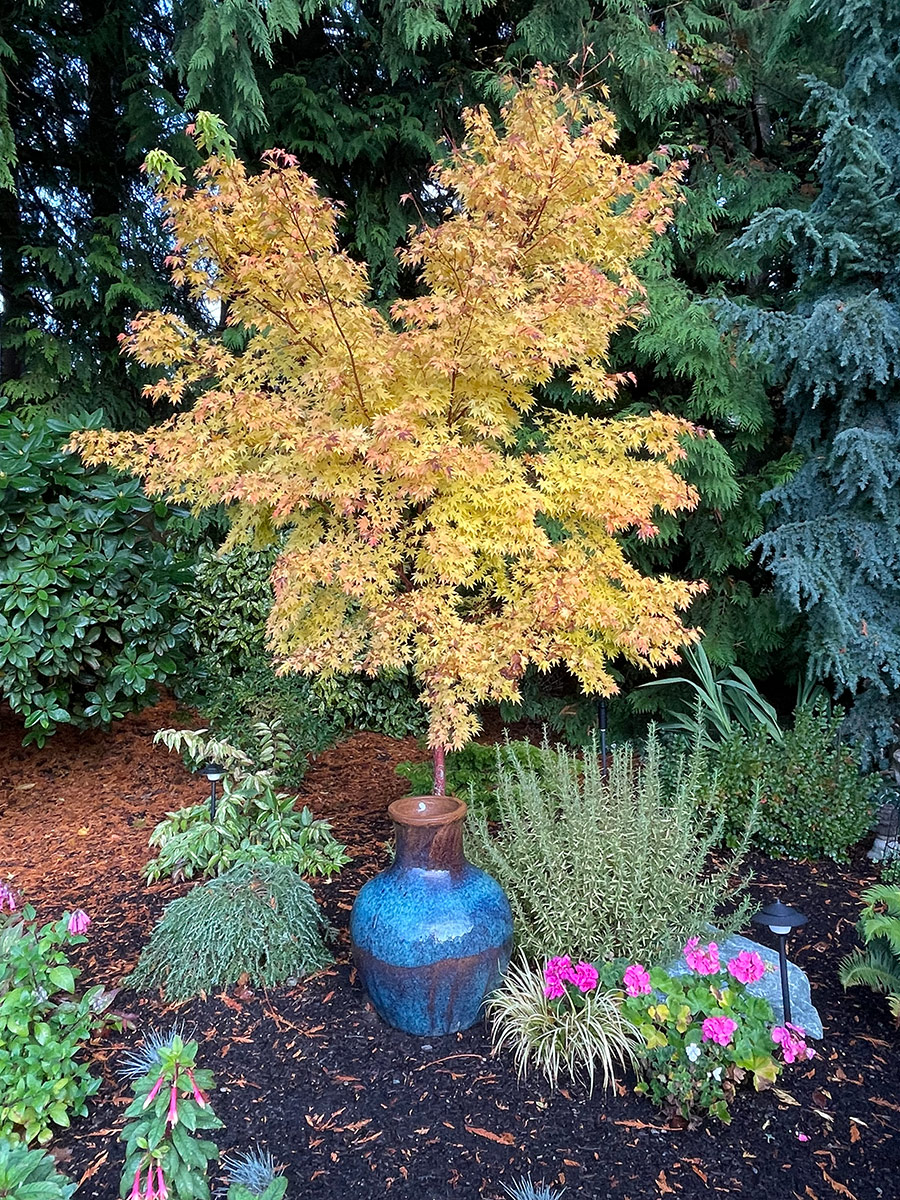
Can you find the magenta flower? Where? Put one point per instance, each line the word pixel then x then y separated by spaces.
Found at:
pixel 79 922
pixel 637 980
pixel 719 1030
pixel 172 1115
pixel 162 1192
pixel 702 959
pixel 747 967
pixel 585 977
pixel 792 1040
pixel 150 1193
pixel 557 973
pixel 153 1093
pixel 198 1095
pixel 8 899
pixel 135 1192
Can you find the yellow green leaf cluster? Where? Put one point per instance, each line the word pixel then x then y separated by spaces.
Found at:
pixel 424 523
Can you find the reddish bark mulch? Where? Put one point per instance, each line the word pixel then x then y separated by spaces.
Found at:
pixel 346 1103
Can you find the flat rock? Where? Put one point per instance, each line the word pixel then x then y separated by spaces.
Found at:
pixel 769 987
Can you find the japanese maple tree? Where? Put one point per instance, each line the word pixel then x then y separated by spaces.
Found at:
pixel 433 515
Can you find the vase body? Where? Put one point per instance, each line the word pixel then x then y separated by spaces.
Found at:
pixel 432 934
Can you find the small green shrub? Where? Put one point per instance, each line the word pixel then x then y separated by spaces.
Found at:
pixel 704 1032
pixel 472 773
pixel 44 1026
pixel 30 1175
pixel 252 1175
pixel 606 866
pixel 581 1033
pixel 258 920
pixel 89 623
pixel 813 799
pixel 878 966
pixel 252 820
pixel 170 1104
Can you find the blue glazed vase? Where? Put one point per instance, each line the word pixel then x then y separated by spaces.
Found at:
pixel 432 934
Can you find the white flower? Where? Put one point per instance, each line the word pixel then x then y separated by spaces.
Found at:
pixel 692 1050
pixel 717 1074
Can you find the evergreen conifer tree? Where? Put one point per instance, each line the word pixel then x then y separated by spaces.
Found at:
pixel 830 338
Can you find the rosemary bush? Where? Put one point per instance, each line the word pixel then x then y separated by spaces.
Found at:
pixel 258 919
pixel 607 867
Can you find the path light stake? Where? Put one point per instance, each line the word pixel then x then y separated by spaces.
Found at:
pixel 213 773
pixel 779 919
pixel 602 723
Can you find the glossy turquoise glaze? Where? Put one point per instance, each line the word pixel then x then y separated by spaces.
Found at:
pixel 432 934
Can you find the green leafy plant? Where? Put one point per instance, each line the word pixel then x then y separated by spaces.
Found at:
pixel 878 965
pixel 725 702
pixel 88 618
pixel 607 863
pixel 253 821
pixel 252 1175
pixel 258 920
pixel 811 797
pixel 472 773
pixel 30 1175
pixel 170 1105
pixel 579 1033
pixel 44 1025
pixel 704 1032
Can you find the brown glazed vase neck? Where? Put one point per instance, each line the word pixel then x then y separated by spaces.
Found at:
pixel 429 833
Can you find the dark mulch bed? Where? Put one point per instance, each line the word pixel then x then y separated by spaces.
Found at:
pixel 350 1105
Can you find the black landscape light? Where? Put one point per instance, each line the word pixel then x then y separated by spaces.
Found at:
pixel 213 773
pixel 779 919
pixel 601 721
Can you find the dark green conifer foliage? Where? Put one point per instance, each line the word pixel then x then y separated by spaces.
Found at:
pixel 830 337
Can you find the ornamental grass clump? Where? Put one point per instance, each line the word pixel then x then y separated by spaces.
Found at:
pixel 560 1021
pixel 253 1175
pixel 607 864
pixel 704 1033
pixel 164 1160
pixel 259 921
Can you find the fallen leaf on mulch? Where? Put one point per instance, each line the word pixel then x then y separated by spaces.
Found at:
pixel 505 1139
pixel 94 1167
pixel 663 1184
pixel 837 1187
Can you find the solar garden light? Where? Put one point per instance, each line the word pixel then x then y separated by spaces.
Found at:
pixel 779 919
pixel 601 721
pixel 213 773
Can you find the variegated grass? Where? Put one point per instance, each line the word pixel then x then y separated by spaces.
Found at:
pixel 585 1043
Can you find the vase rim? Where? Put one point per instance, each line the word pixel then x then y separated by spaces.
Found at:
pixel 427 810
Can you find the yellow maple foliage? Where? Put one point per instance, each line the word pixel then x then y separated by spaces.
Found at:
pixel 433 515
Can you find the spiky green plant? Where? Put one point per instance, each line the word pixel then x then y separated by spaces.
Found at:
pixel 581 1041
pixel 607 864
pixel 259 919
pixel 878 965
pixel 527 1189
pixel 253 1175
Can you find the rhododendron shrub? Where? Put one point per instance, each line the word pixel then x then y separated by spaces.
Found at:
pixel 704 1032
pixel 433 516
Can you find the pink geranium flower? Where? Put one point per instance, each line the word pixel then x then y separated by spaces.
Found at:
pixel 719 1030
pixel 637 980
pixel 584 976
pixel 792 1040
pixel 557 973
pixel 747 967
pixel 702 959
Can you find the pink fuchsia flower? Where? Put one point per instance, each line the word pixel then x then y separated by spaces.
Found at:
pixel 719 1030
pixel 150 1192
pixel 792 1040
pixel 557 973
pixel 8 898
pixel 702 959
pixel 153 1093
pixel 747 967
pixel 172 1115
pixel 584 976
pixel 79 922
pixel 135 1192
pixel 198 1095
pixel 637 980
pixel 162 1192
